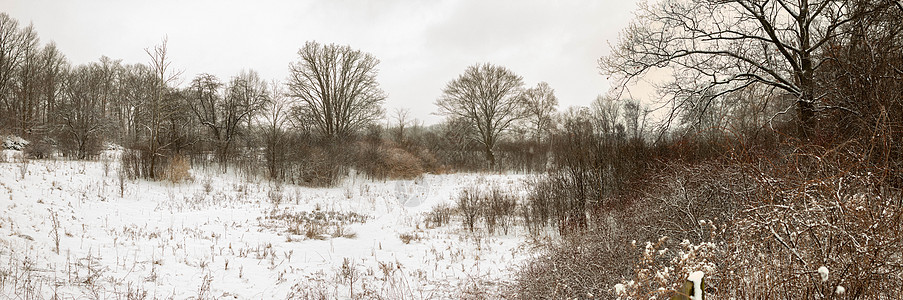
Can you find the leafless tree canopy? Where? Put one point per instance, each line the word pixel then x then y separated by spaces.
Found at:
pixel 336 88
pixel 19 56
pixel 204 99
pixel 487 97
pixel 402 118
pixel 164 76
pixel 223 114
pixel 275 120
pixel 539 104
pixel 81 113
pixel 718 47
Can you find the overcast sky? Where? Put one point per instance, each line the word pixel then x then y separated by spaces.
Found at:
pixel 421 44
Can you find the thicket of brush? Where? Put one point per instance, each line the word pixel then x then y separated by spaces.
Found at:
pixel 759 209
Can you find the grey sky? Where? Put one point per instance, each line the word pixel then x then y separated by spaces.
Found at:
pixel 421 44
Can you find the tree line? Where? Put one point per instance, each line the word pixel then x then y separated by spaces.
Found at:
pixel 327 117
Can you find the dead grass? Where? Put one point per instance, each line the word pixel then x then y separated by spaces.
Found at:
pixel 178 169
pixel 312 224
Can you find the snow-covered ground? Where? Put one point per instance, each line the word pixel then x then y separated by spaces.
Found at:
pixel 221 236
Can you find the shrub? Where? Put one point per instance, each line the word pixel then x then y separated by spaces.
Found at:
pixel 130 164
pixel 12 142
pixel 662 270
pixel 385 161
pixel 41 149
pixel 495 207
pixel 591 166
pixel 321 166
pixel 136 163
pixel 537 211
pixel 500 208
pixel 408 237
pixel 760 226
pixel 275 194
pixel 428 161
pixel 468 205
pixel 577 267
pixel 440 215
pixel 178 169
pixel 683 201
pixel 816 207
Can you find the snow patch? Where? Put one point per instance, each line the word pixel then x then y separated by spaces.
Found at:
pixel 696 278
pixel 619 289
pixel 823 272
pixel 214 235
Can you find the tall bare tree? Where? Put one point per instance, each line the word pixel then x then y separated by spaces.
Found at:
pixel 18 47
pixel 137 85
pixel 276 119
pixel 204 98
pixel 336 88
pixel 539 104
pixel 246 95
pixel 27 90
pixel 224 113
pixel 402 118
pixel 81 112
pixel 719 47
pixel 486 96
pixel 53 68
pixel 164 76
pixel 10 58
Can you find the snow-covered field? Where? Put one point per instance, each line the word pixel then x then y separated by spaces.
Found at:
pixel 222 236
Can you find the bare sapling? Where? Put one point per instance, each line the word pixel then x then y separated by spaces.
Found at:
pixel 23 165
pixel 55 231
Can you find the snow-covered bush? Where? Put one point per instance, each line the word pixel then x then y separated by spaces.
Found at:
pixel 588 263
pixel 832 208
pixel 12 142
pixel 663 271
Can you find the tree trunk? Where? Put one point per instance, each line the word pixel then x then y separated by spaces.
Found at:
pixel 806 125
pixel 490 157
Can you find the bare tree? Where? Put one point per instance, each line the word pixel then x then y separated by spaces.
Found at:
pixel 204 98
pixel 27 90
pixel 18 47
pixel 246 95
pixel 606 115
pixel 634 118
pixel 10 58
pixel 275 120
pixel 81 112
pixel 53 68
pixel 164 75
pixel 137 85
pixel 719 47
pixel 223 114
pixel 402 118
pixel 486 96
pixel 539 104
pixel 336 88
